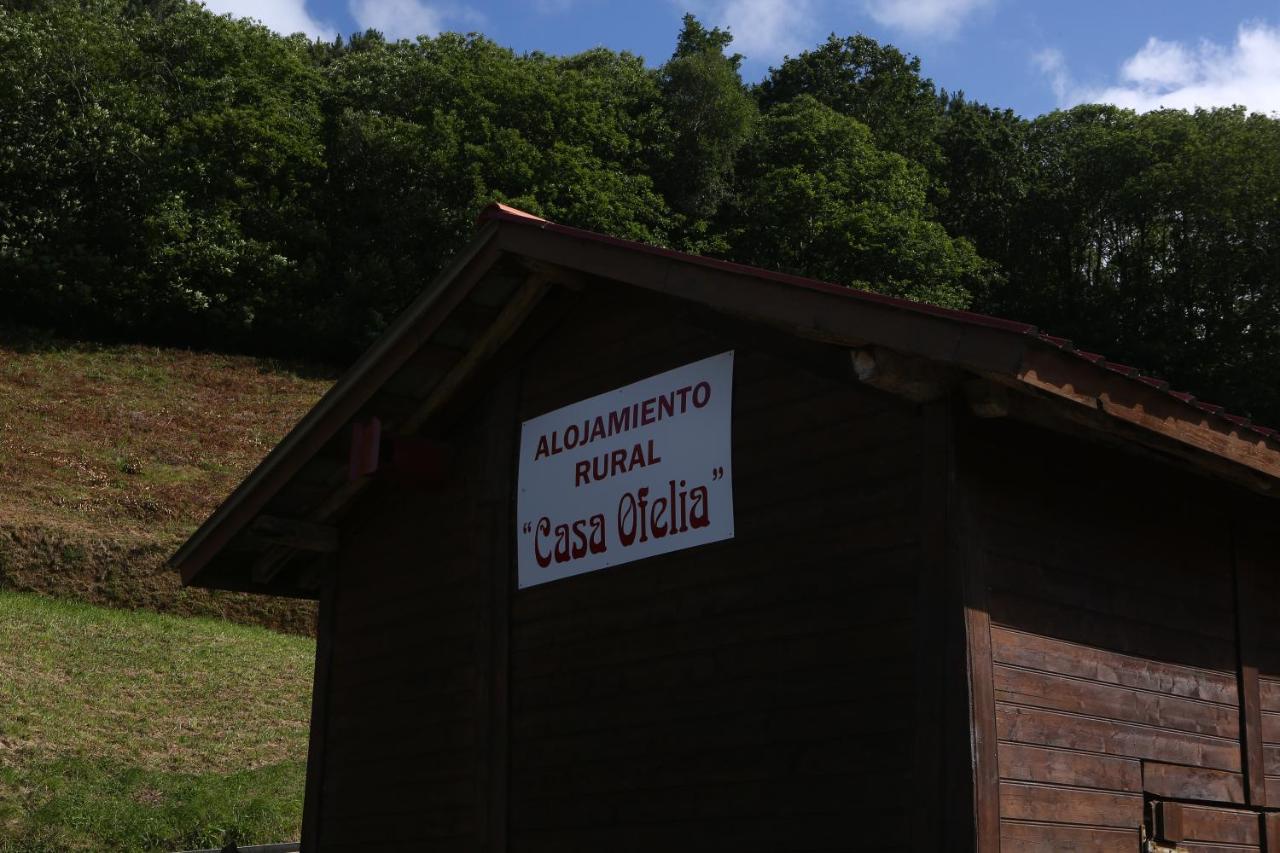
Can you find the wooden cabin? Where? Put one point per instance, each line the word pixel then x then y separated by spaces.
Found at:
pixel 976 589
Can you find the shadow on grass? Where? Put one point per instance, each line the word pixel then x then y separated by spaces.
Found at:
pixel 35 341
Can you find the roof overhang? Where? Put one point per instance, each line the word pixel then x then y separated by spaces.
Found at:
pixel 284 510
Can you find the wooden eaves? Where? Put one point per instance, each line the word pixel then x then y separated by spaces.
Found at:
pixel 462 320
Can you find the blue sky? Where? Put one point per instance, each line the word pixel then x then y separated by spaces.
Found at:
pixel 1032 56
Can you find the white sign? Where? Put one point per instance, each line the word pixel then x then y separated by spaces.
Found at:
pixel 629 474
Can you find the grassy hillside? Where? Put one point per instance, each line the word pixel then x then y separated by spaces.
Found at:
pixel 137 731
pixel 111 455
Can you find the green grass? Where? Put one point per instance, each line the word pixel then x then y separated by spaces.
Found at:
pixel 112 454
pixel 136 731
pixel 135 441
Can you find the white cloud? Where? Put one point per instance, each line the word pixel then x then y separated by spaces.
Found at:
pixel 1171 74
pixel 397 19
pixel 763 30
pixel 1159 63
pixel 283 16
pixel 1053 65
pixel 941 18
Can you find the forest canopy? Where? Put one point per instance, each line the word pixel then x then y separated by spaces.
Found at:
pixel 171 175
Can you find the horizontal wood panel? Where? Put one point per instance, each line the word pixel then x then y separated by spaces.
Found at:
pixel 1179 782
pixel 726 799
pixel 750 834
pixel 805 426
pixel 869 544
pixel 692 699
pixel 614 665
pixel 807 589
pixel 1022 837
pixel 874 759
pixel 874 547
pixel 365 795
pixel 1025 801
pixel 398 674
pixel 1271 759
pixel 724 728
pixel 1046 654
pixel 564 650
pixel 1269 689
pixel 434 831
pixel 1108 737
pixel 1273 789
pixel 1219 825
pixel 414 766
pixel 1020 762
pixel 1271 727
pixel 766 477
pixel 1039 690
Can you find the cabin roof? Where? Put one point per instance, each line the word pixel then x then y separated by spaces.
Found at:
pixel 266 535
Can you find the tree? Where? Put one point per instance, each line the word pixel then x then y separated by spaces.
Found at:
pixel 1155 238
pixel 876 84
pixel 423 134
pixel 158 168
pixel 818 198
pixel 710 115
pixel 983 177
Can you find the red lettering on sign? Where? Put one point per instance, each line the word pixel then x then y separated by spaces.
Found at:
pixel 639 518
pixel 568 541
pixel 620 461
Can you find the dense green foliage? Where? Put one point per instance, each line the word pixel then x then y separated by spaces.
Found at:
pixel 172 175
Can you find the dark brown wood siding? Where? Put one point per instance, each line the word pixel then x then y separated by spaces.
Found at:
pixel 751 695
pixel 1259 554
pixel 1110 584
pixel 758 694
pixel 408 758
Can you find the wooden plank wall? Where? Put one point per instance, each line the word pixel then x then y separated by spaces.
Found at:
pixel 1111 595
pixel 408 762
pixel 751 695
pixel 1259 554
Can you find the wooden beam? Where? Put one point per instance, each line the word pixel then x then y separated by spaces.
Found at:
pixel 941 771
pixel 803 308
pixel 366 442
pixel 339 405
pixel 517 309
pixel 570 279
pixel 1126 401
pixel 269 564
pixel 991 347
pixel 316 743
pixel 987 399
pixel 1066 416
pixel 503 327
pixel 919 380
pixel 1248 648
pixel 496 494
pixel 969 550
pixel 295 534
